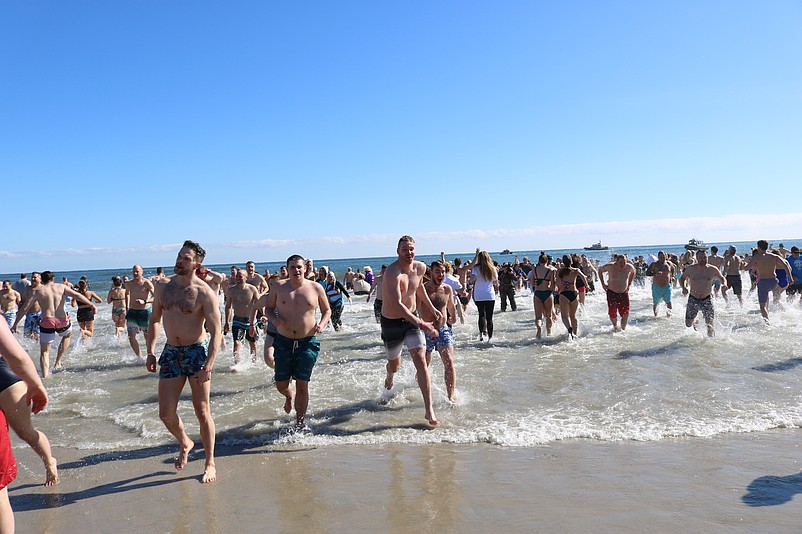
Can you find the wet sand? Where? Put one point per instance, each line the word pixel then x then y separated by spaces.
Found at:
pixel 731 483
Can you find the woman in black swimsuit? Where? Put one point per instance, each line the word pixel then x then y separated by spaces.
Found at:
pixel 542 280
pixel 86 315
pixel 569 295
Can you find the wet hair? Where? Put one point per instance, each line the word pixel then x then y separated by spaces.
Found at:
pixel 543 258
pixel 437 263
pixel 47 276
pixel 82 286
pixel 6 282
pixel 714 249
pixel 457 262
pixel 295 257
pixel 116 280
pixel 200 254
pixel 763 245
pixel 159 270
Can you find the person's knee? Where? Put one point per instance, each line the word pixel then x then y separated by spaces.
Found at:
pixel 394 365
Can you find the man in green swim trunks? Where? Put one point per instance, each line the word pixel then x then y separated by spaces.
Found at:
pixel 138 296
pixel 296 347
pixel 184 302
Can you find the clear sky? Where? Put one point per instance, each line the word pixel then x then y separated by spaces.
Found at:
pixel 265 128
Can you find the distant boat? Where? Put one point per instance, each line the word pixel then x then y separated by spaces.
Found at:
pixel 597 246
pixel 506 251
pixel 695 244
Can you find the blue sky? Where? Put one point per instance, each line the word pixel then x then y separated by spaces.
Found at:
pixel 262 129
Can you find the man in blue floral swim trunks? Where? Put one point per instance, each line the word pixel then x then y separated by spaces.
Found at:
pixel 442 297
pixel 292 304
pixel 184 302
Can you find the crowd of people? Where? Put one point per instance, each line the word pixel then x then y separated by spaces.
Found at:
pixel 415 304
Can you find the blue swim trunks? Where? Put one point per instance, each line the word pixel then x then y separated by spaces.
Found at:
pixel 661 293
pixel 32 320
pixel 184 360
pixel 444 338
pixel 137 319
pixel 295 358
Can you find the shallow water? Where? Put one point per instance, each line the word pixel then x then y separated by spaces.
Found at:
pixel 656 380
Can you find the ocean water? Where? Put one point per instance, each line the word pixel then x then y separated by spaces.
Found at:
pixel 657 380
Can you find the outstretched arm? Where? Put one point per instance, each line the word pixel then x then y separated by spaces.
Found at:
pixel 23 367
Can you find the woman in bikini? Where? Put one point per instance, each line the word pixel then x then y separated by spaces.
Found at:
pixel 86 313
pixel 542 279
pixel 569 295
pixel 118 308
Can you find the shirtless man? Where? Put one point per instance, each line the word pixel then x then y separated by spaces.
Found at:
pixel 241 298
pixel 9 303
pixel 51 298
pixel 184 302
pixel 269 326
pixel 732 271
pixel 766 265
pixel 34 315
pixel 138 296
pixel 291 305
pixel 158 276
pixel 442 297
pixel 620 274
pixel 377 286
pixel 254 278
pixel 701 276
pixel 662 273
pixel 402 290
pixel 718 262
pixel 348 278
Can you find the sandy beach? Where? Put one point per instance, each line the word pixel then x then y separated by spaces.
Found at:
pixel 737 482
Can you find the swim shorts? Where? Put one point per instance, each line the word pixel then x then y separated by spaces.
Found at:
pixel 11 316
pixel 295 358
pixel 661 293
pixel 377 310
pixel 85 315
pixel 183 360
pixel 137 319
pixel 734 282
pixel 696 305
pixel 617 302
pixel 32 323
pixel 399 332
pixel 240 327
pixel 8 465
pixel 445 338
pixel 50 326
pixel 7 376
pixel 764 287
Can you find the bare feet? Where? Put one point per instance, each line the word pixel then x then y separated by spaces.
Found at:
pixel 431 419
pixel 52 473
pixel 209 474
pixel 183 456
pixel 288 403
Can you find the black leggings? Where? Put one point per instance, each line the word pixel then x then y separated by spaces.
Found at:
pixel 486 316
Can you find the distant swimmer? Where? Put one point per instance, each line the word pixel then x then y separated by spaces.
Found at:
pixel 241 297
pixel 254 278
pixel 442 298
pixel 619 277
pixel 34 315
pixel 138 297
pixel 377 287
pixel 662 273
pixel 9 303
pixel 568 278
pixel 184 303
pixel 116 298
pixel 795 261
pixel 543 281
pixel 291 306
pixel 766 266
pixel 700 275
pixel 732 267
pixel 718 262
pixel 51 298
pixel 402 290
pixel 86 314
